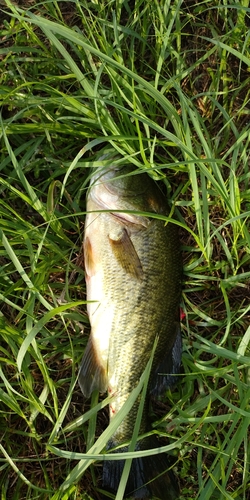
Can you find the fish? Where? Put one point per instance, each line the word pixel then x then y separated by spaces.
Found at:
pixel 133 280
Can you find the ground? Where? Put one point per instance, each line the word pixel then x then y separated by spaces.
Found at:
pixel 166 85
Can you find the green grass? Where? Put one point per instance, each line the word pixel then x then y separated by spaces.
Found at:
pixel 167 86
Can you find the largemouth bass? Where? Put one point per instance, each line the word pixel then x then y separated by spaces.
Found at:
pixel 133 278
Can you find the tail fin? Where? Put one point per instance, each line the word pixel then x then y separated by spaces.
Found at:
pixel 150 477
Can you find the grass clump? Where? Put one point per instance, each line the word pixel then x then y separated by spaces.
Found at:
pixel 167 86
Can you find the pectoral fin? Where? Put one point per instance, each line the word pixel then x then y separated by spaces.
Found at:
pixel 125 252
pixel 92 374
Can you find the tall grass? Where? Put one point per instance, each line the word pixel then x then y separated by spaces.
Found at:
pixel 166 85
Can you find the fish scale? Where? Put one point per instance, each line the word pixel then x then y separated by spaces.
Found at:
pixel 125 349
pixel 133 276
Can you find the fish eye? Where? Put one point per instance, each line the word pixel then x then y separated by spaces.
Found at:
pixel 119 168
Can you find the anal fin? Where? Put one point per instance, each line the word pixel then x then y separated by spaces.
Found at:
pixel 92 374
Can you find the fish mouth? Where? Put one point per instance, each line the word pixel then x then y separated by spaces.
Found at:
pixel 108 199
pixel 112 179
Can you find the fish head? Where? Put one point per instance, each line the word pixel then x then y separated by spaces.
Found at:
pixel 122 186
